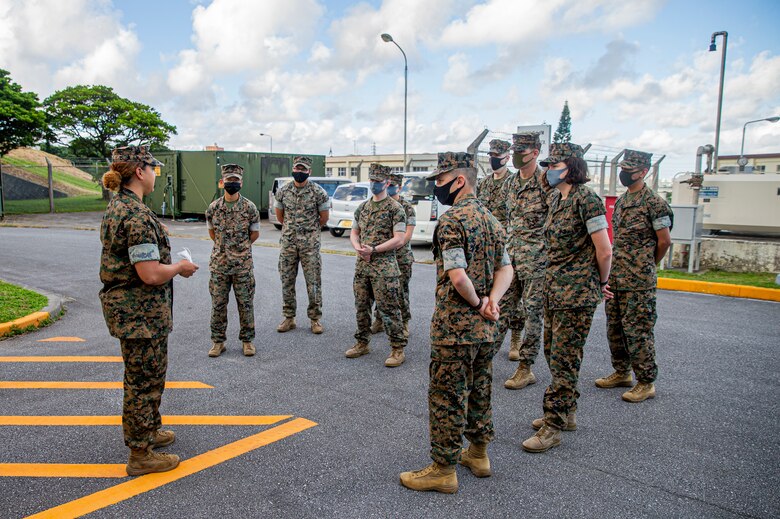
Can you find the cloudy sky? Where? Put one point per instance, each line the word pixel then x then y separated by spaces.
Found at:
pixel 316 76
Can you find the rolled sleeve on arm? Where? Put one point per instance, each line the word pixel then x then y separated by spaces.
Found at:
pixel 596 223
pixel 253 228
pixel 143 252
pixel 399 227
pixel 454 259
pixel 662 223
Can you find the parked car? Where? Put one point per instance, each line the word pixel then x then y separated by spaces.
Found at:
pixel 329 184
pixel 428 210
pixel 343 204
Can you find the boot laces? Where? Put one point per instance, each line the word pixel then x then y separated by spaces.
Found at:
pixel 638 388
pixel 424 472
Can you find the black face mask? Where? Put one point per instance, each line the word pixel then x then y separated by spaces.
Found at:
pixel 232 187
pixel 300 176
pixel 443 195
pixel 496 163
pixel 625 177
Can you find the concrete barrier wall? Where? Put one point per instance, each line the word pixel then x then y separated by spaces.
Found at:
pixel 15 188
pixel 734 255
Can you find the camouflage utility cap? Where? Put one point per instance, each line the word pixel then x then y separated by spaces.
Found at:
pixel 396 178
pixel 378 172
pixel 232 170
pixel 499 147
pixel 635 160
pixel 302 161
pixel 451 160
pixel 562 151
pixel 134 154
pixel 523 141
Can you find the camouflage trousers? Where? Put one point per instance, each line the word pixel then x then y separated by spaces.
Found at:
pixel 459 394
pixel 406 276
pixel 565 332
pixel 386 291
pixel 307 254
pixel 630 321
pixel 146 361
pixel 509 318
pixel 243 285
pixel 530 312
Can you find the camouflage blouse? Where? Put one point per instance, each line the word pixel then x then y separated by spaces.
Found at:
pixel 468 236
pixel 404 255
pixel 232 223
pixel 302 207
pixel 636 219
pixel 130 233
pixel 527 211
pixel 493 194
pixel 377 221
pixel 572 275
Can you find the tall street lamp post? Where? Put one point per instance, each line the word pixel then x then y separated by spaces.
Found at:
pixel 272 141
pixel 713 48
pixel 389 39
pixel 742 161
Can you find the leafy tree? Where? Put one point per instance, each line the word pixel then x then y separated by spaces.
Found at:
pixel 563 133
pixel 94 119
pixel 22 122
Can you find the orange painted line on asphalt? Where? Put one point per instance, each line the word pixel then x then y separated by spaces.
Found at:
pixel 139 485
pixel 62 470
pixel 45 384
pixel 27 421
pixel 62 339
pixel 62 358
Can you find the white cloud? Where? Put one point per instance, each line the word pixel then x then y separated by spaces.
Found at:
pixel 457 79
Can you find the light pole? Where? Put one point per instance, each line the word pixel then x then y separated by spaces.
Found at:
pixel 272 141
pixel 387 38
pixel 713 48
pixel 742 161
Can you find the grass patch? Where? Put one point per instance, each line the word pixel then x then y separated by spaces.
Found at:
pixel 752 279
pixel 58 176
pixel 71 204
pixel 16 302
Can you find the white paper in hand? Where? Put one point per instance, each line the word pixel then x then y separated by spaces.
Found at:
pixel 185 254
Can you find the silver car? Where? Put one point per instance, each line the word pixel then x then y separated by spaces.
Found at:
pixel 344 203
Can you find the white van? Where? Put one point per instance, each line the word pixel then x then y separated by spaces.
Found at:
pixel 329 184
pixel 419 191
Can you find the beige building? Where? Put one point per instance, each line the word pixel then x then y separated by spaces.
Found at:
pixel 355 167
pixel 758 163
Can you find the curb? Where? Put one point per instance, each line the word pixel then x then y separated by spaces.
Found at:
pixel 719 289
pixel 51 312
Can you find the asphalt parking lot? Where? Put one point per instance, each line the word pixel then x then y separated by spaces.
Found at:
pixel 705 447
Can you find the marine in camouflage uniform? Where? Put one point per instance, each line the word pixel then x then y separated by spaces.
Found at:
pixel 303 206
pixel 571 293
pixel 138 314
pixel 463 341
pixel 639 218
pixel 493 192
pixel 378 279
pixel 527 211
pixel 403 256
pixel 232 225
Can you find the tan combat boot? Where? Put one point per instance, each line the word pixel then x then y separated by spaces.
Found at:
pixel 216 349
pixel 571 422
pixel 476 459
pixel 614 380
pixel 377 326
pixel 514 345
pixel 396 358
pixel 249 348
pixel 640 392
pixel 146 461
pixel 544 439
pixel 522 377
pixel 163 438
pixel 316 327
pixel 286 325
pixel 359 349
pixel 440 478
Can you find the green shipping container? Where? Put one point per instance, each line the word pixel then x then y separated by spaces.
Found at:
pixel 188 182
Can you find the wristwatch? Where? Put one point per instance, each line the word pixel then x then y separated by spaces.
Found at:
pixel 373 249
pixel 604 283
pixel 478 305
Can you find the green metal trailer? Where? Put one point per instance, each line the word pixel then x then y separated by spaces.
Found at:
pixel 187 184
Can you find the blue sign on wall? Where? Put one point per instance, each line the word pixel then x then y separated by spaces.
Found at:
pixel 708 192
